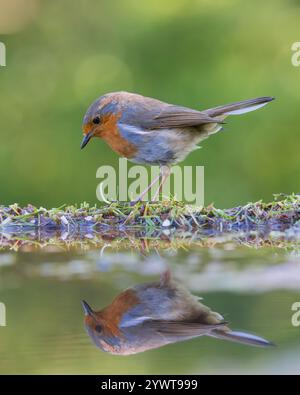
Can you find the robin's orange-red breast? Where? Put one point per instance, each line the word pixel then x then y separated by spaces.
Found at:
pixel 151 315
pixel 149 131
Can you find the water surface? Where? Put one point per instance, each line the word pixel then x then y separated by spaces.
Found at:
pixel 252 280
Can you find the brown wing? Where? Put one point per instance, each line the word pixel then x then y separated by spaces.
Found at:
pixel 152 114
pixel 178 117
pixel 182 329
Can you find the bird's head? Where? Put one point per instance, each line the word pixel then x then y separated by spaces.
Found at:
pixel 101 116
pixel 103 333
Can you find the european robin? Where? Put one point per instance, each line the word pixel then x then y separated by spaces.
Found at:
pixel 151 315
pixel 149 131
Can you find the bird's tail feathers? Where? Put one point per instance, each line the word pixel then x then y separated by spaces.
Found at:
pixel 240 107
pixel 240 337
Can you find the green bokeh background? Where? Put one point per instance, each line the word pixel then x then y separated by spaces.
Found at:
pixel 62 54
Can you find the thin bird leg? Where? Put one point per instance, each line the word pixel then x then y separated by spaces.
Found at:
pixel 165 172
pixel 140 197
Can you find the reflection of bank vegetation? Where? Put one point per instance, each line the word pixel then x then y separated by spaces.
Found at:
pixel 144 241
pixel 224 267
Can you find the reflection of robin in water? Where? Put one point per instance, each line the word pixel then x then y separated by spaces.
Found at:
pixel 154 314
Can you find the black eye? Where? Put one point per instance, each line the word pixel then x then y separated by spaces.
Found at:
pixel 96 120
pixel 98 328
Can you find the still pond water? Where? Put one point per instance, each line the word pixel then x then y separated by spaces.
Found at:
pixel 252 281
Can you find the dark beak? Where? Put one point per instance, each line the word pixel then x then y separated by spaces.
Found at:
pixel 87 309
pixel 86 139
